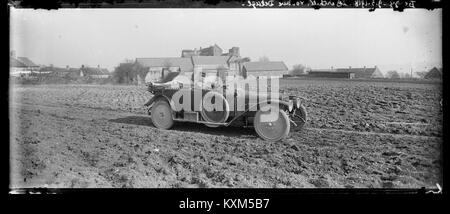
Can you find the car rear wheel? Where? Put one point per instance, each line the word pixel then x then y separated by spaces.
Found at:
pixel 161 115
pixel 272 130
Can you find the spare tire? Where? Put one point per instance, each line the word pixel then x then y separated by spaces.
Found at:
pixel 216 115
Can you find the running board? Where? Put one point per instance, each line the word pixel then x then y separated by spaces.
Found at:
pixel 194 118
pixel 220 124
pixel 203 122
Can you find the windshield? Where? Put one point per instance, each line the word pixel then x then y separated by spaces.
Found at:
pixel 169 77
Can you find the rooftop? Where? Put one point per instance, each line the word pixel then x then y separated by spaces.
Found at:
pixel 265 66
pixel 210 60
pixel 21 62
pixel 185 64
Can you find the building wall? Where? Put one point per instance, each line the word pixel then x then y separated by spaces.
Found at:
pixel 266 73
pixel 217 52
pixel 206 52
pixel 233 73
pixel 233 66
pixel 189 53
pixel 210 68
pixel 211 51
pixel 22 71
pixel 377 74
pixel 433 74
pixel 234 51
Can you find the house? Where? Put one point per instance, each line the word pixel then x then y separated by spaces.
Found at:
pixel 210 64
pixel 331 74
pixel 94 72
pixel 189 53
pixel 234 51
pixel 157 68
pixel 22 66
pixel 234 64
pixel 213 64
pixel 54 71
pixel 209 60
pixel 73 73
pixel 434 73
pixel 258 69
pixel 364 72
pixel 213 50
pixel 60 72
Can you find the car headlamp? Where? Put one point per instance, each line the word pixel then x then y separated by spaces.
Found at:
pixel 291 105
pixel 297 102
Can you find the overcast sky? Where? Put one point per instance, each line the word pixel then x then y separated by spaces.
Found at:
pixel 318 38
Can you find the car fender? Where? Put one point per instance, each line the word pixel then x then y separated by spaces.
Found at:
pixel 282 104
pixel 158 97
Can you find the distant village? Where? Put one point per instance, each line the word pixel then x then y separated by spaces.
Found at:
pixel 212 59
pixel 24 68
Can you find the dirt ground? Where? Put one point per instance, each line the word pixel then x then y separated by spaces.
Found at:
pixel 359 134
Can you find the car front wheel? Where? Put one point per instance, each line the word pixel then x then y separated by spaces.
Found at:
pixel 271 130
pixel 161 114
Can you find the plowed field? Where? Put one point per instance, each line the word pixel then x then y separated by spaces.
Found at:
pixel 359 134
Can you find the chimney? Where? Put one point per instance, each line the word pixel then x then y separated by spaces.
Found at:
pixel 349 67
pixel 82 66
pixel 332 68
pixel 98 66
pixel 67 66
pixel 13 54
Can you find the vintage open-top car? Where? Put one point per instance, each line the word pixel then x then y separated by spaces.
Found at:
pixel 240 106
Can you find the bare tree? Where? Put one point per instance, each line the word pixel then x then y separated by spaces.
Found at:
pixel 298 69
pixel 123 73
pixel 393 75
pixel 127 73
pixel 405 75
